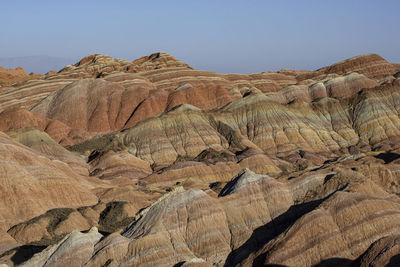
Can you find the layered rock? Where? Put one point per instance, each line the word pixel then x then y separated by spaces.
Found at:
pixel 159 84
pixel 255 122
pixel 10 76
pixel 75 250
pixel 14 119
pixel 329 231
pixel 178 227
pixel 383 252
pixel 32 183
pixel 122 164
pixel 94 66
pixel 93 105
pixel 327 127
pixel 6 242
pixel 177 166
pixel 43 143
pixel 166 225
pixel 156 61
pixel 52 225
pixel 256 209
pixel 371 65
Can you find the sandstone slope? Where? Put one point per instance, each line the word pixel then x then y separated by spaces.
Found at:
pixel 153 163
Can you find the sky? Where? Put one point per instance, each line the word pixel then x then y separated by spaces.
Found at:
pixel 215 35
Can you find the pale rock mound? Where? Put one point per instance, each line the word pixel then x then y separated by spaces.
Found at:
pixel 156 61
pixel 74 250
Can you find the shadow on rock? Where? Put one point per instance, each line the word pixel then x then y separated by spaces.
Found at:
pixel 24 253
pixel 388 157
pixel 268 232
pixel 394 261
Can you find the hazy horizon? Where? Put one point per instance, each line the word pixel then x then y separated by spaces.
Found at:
pixel 220 36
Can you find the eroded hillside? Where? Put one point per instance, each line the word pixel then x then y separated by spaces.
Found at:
pixel 116 163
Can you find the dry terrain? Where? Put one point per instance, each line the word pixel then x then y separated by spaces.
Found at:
pixel 154 163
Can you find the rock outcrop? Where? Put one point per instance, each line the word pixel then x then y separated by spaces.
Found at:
pixel 153 163
pixel 178 227
pixel 383 252
pixel 372 65
pixel 17 75
pixel 329 231
pixel 156 61
pixel 32 183
pixel 74 250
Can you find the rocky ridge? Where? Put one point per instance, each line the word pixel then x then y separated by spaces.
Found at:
pixel 157 163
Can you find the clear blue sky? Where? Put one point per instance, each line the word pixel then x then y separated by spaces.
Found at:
pixel 223 36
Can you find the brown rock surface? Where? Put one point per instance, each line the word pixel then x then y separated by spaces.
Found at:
pixel 177 166
pixel 41 142
pixel 180 220
pixel 122 164
pixel 371 65
pixel 18 72
pixel 161 83
pixel 156 61
pixel 53 224
pixel 32 183
pixel 329 231
pixel 93 105
pixel 383 252
pixel 11 76
pixel 6 242
pixel 74 250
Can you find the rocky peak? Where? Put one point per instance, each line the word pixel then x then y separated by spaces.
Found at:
pixel 157 60
pixel 243 178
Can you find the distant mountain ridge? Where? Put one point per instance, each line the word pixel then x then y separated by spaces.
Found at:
pixel 36 64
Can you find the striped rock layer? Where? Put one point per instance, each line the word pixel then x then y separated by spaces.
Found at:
pixel 254 220
pixel 118 94
pixel 153 163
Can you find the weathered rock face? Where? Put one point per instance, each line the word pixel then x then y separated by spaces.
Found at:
pixel 74 250
pixel 372 65
pixel 383 252
pixel 330 230
pixel 11 76
pixel 18 72
pixel 53 224
pixel 122 164
pixel 327 128
pixel 20 118
pixel 177 166
pixel 93 66
pixel 93 105
pixel 32 183
pixel 250 210
pixel 169 221
pixel 43 143
pixel 156 61
pixel 13 119
pixel 7 242
pixel 178 227
pixel 159 83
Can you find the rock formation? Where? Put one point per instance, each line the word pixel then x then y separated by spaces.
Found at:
pixel 383 252
pixel 74 250
pixel 153 163
pixel 12 76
